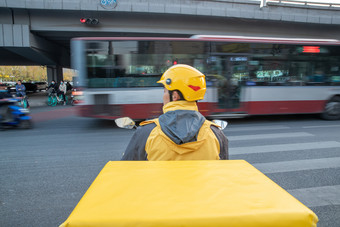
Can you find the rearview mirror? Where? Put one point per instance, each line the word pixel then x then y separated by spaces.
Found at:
pixel 222 124
pixel 125 122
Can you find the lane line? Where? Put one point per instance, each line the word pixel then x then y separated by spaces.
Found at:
pixel 269 136
pixel 318 196
pixel 298 165
pixel 283 147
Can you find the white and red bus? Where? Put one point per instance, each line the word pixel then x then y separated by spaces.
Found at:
pixel 245 75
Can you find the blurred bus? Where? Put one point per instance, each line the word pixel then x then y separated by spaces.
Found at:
pixel 245 75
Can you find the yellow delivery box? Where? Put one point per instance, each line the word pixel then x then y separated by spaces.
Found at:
pixel 187 193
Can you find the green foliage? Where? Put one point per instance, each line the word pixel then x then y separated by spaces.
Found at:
pixel 24 73
pixel 29 73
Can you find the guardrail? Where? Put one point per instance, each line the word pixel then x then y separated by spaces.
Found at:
pixel 334 4
pixel 325 3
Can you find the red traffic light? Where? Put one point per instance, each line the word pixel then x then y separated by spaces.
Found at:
pixel 91 21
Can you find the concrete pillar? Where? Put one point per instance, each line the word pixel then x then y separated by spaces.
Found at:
pixel 54 73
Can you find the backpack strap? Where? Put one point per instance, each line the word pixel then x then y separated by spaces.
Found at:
pixel 149 122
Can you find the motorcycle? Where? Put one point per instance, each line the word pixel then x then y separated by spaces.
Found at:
pixel 186 193
pixel 19 117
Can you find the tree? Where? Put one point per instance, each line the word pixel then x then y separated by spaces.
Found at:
pixel 30 73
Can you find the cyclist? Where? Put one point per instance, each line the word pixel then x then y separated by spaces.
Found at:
pixel 21 91
pixel 53 86
pixel 52 90
pixel 181 133
pixel 69 86
pixel 62 91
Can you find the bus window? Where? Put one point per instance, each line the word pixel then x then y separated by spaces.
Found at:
pixel 269 65
pixel 228 66
pixel 123 64
pixel 288 65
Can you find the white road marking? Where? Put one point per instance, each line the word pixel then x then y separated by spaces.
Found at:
pixel 283 147
pixel 318 196
pixel 298 165
pixel 269 136
pixel 255 128
pixel 321 126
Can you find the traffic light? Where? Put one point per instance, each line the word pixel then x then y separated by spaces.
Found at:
pixel 90 21
pixel 171 62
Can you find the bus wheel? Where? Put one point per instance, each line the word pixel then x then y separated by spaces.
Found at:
pixel 332 109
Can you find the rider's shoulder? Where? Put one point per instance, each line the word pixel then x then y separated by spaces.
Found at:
pixel 147 122
pixel 145 127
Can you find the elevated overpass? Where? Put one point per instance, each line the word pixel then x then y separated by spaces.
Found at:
pixel 38 32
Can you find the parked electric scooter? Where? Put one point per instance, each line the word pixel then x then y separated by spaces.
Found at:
pixel 19 117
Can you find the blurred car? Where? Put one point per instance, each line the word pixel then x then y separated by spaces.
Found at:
pixel 11 87
pixel 30 87
pixel 41 85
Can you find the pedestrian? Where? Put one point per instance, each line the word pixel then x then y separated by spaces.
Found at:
pixel 181 132
pixel 62 91
pixel 20 89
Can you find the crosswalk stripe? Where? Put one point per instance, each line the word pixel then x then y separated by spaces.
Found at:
pixel 321 126
pixel 283 147
pixel 318 196
pixel 256 128
pixel 269 136
pixel 298 165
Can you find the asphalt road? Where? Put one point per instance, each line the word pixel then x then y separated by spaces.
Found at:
pixel 45 171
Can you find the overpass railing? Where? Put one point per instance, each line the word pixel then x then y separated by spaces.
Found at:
pixel 289 3
pixel 319 3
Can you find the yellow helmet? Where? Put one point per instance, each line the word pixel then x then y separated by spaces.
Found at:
pixel 188 80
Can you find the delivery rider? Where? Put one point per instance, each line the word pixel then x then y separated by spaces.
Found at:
pixel 181 132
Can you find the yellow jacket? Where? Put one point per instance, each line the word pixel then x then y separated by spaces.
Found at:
pixel 181 133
